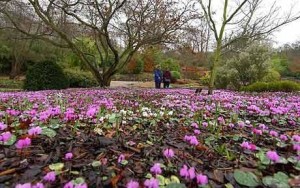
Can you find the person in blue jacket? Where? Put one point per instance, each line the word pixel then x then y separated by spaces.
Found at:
pixel 157 77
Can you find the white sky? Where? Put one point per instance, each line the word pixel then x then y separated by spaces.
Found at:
pixel 291 32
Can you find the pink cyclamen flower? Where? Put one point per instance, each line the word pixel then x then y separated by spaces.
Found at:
pixel 196 131
pixel 68 156
pixel 192 173
pixel 38 185
pixel 23 143
pixel 204 124
pixel 50 176
pixel 257 131
pixel 283 137
pixel 69 185
pixel 231 125
pixel 168 153
pixel 221 120
pixel 195 125
pixel 35 131
pixel 273 156
pixel 121 158
pixel 296 138
pixel 194 141
pixel 4 137
pixel 245 145
pixel 263 126
pixel 2 126
pixel 152 183
pixel 274 133
pixel 25 185
pixel 249 146
pixel 132 184
pixel 241 124
pixel 83 185
pixel 202 179
pixel 187 138
pixel 184 172
pixel 156 169
pixel 296 147
pixel 252 147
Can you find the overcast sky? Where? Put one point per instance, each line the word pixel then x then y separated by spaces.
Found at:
pixel 291 32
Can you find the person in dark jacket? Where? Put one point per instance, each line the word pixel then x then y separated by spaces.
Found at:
pixel 157 77
pixel 167 78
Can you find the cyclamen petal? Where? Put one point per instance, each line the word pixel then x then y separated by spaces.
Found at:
pixel 273 156
pixel 68 156
pixel 69 185
pixel 195 125
pixel 156 169
pixel 169 153
pixel 132 184
pixel 274 133
pixel 25 185
pixel 202 179
pixel 192 173
pixel 152 183
pixel 296 147
pixel 23 143
pixel 2 126
pixel 184 172
pixel 4 137
pixel 35 131
pixel 296 138
pixel 121 158
pixel 38 185
pixel 50 176
pixel 283 137
pixel 83 185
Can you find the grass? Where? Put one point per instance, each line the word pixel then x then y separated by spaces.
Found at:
pixel 7 84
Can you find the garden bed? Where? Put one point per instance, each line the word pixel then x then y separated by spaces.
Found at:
pixel 130 137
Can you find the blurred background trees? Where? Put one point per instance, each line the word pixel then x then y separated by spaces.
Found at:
pixel 94 45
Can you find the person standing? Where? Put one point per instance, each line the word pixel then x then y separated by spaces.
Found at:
pixel 157 77
pixel 167 78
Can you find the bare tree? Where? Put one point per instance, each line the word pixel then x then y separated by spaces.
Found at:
pixel 242 20
pixel 118 28
pixel 197 36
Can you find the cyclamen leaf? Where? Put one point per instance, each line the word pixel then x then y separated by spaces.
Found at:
pixel 48 132
pixel 11 141
pixel 175 185
pixel 56 166
pixel 280 180
pixel 246 178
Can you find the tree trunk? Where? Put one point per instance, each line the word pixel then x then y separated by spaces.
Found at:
pixel 15 69
pixel 212 78
pixel 106 81
pixel 213 70
pixel 103 79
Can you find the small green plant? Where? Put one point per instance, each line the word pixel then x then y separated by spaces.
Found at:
pixel 175 75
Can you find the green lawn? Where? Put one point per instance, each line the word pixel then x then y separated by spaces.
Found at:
pixel 7 84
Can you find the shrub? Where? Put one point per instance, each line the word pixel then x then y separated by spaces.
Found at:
pixel 205 79
pixel 78 78
pixel 45 75
pixel 283 86
pixel 139 66
pixel 175 75
pixel 271 76
pixel 170 64
pixel 247 67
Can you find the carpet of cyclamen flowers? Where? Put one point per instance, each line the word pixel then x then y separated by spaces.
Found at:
pixel 149 138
